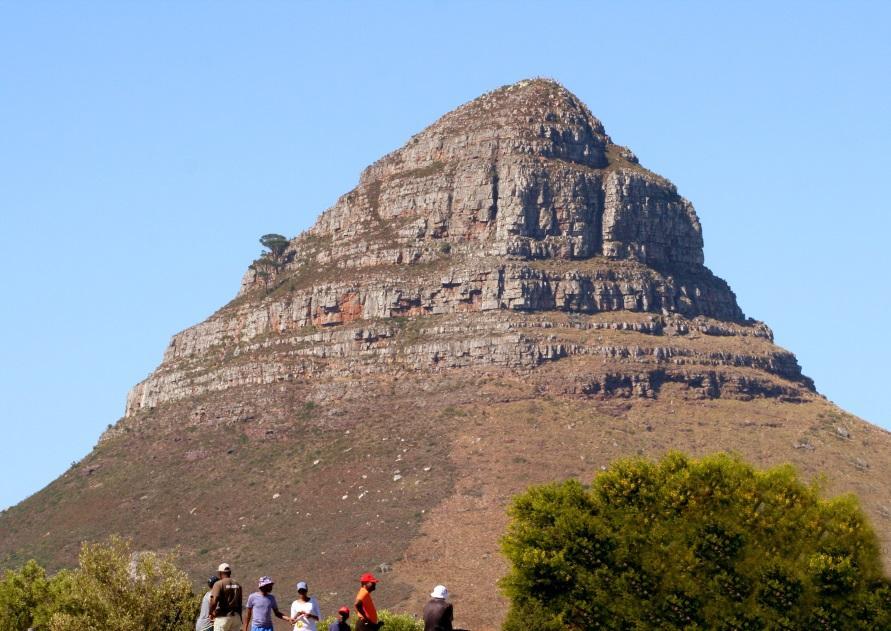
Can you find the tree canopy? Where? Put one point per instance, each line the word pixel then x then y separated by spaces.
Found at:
pixel 692 544
pixel 275 243
pixel 112 589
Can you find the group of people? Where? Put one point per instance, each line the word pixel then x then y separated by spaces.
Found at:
pixel 222 610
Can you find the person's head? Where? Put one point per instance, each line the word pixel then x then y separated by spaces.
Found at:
pixel 440 592
pixel 344 613
pixel 265 584
pixel 211 581
pixel 303 590
pixel 224 570
pixel 368 581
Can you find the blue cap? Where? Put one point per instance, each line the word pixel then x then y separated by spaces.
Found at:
pixel 302 585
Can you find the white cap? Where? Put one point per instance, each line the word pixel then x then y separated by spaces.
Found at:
pixel 224 567
pixel 440 591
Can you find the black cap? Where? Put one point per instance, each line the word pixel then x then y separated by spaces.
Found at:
pixel 212 580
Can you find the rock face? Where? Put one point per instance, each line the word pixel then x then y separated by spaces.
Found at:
pixel 525 171
pixel 508 299
pixel 517 203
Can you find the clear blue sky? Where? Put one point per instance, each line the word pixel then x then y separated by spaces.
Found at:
pixel 146 146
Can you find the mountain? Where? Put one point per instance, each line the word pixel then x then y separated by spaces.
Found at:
pixel 508 299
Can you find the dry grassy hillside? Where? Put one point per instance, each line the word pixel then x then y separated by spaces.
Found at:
pixel 406 476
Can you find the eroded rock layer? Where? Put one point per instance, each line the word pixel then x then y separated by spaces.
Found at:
pixel 513 212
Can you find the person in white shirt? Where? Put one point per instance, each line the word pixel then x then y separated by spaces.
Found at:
pixel 305 610
pixel 204 623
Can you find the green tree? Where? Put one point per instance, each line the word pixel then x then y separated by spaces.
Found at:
pixel 116 589
pixel 22 591
pixel 275 243
pixel 29 599
pixel 687 544
pixel 271 260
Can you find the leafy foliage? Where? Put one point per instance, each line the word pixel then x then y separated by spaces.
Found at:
pixel 28 597
pixel 112 589
pixel 685 544
pixel 271 260
pixel 400 621
pixel 265 265
pixel 275 243
pixel 392 621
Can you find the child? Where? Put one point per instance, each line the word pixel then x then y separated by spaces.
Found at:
pixel 342 624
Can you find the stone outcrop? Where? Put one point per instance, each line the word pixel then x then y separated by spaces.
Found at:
pixel 489 239
pixel 525 171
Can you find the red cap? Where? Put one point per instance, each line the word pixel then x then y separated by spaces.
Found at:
pixel 344 609
pixel 368 577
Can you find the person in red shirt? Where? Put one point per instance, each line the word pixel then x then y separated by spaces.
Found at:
pixel 367 614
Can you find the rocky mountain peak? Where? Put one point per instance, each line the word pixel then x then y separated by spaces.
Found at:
pixel 523 172
pixel 514 212
pixel 537 117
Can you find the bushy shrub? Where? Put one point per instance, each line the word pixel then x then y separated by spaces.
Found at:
pixel 119 590
pixel 392 621
pixel 29 598
pixel 685 544
pixel 400 621
pixel 112 589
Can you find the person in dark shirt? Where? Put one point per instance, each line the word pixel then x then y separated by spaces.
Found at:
pixel 225 601
pixel 342 624
pixel 438 611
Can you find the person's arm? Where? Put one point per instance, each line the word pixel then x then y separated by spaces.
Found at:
pixel 360 609
pixel 449 615
pixel 212 608
pixel 247 618
pixel 279 614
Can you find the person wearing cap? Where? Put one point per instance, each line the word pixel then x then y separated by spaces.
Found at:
pixel 261 605
pixel 204 623
pixel 305 610
pixel 342 624
pixel 438 611
pixel 365 610
pixel 225 601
